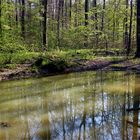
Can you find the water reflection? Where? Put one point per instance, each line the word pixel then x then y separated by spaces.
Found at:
pixel 80 106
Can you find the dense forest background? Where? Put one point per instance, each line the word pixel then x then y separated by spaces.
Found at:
pixel 39 25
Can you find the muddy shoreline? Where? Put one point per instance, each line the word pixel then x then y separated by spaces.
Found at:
pixel 24 71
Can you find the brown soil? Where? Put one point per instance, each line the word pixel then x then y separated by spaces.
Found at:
pixel 24 70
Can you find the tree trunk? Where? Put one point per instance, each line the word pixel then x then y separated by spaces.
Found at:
pixel 70 13
pixel 138 29
pixel 29 15
pixel 58 23
pixel 0 18
pixel 95 18
pixel 62 13
pixel 16 12
pixel 44 23
pixel 86 21
pixel 102 26
pixel 86 12
pixel 130 27
pixel 66 14
pixel 23 19
pixel 126 27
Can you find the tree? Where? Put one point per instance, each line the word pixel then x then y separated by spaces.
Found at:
pixel 0 17
pixel 44 23
pixel 86 21
pixel 70 11
pixel 58 22
pixel 86 12
pixel 23 18
pixel 96 20
pixel 138 29
pixel 126 26
pixel 130 27
pixel 16 12
pixel 102 26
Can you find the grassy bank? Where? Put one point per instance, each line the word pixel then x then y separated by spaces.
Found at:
pixel 10 60
pixel 25 64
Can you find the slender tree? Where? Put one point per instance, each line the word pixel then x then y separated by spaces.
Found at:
pixel 16 12
pixel 23 18
pixel 138 29
pixel 70 12
pixel 0 17
pixel 126 26
pixel 66 14
pixel 44 23
pixel 102 24
pixel 86 12
pixel 86 21
pixel 130 27
pixel 58 23
pixel 96 20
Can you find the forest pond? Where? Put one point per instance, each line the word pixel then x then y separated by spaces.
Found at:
pixel 79 106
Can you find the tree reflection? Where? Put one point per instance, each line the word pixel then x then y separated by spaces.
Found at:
pixel 132 114
pixel 84 107
pixel 136 107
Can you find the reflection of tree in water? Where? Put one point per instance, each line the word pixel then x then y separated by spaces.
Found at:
pixel 97 114
pixel 89 110
pixel 132 112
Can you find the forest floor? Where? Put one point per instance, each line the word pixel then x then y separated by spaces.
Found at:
pixel 34 64
pixel 27 70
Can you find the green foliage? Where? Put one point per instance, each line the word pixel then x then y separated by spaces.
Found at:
pixel 55 66
pixel 74 36
pixel 51 65
pixel 17 58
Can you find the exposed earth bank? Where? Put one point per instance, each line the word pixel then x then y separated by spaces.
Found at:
pixel 36 69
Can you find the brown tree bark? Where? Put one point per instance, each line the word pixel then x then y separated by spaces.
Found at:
pixel 44 23
pixel 0 17
pixel 138 29
pixel 16 12
pixel 102 24
pixel 23 18
pixel 130 27
pixel 126 26
pixel 86 21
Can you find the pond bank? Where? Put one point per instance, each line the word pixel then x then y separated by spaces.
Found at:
pixel 26 70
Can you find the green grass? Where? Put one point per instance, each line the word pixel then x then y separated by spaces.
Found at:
pixel 9 60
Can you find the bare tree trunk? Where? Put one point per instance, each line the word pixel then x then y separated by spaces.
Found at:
pixel 58 23
pixel 114 21
pixel 76 14
pixel 126 26
pixel 102 26
pixel 29 15
pixel 86 12
pixel 66 14
pixel 0 18
pixel 86 21
pixel 62 13
pixel 138 29
pixel 23 19
pixel 16 12
pixel 70 13
pixel 95 18
pixel 44 23
pixel 130 27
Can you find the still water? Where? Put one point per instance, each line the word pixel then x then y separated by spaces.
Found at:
pixel 80 106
